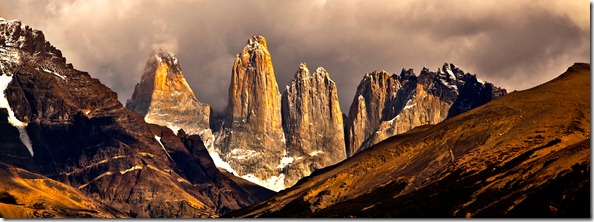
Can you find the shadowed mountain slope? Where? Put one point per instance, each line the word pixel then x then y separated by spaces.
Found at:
pixel 526 154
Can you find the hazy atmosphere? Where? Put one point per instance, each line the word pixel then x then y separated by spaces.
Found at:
pixel 513 44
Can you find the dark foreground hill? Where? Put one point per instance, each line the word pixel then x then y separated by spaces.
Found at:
pixel 526 154
pixel 72 133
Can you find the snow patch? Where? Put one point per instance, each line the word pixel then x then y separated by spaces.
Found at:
pixel 394 119
pixel 158 138
pixel 315 153
pixel 409 106
pixel 220 163
pixel 54 73
pixel 276 183
pixel 451 86
pixel 241 154
pixel 207 138
pixel 450 73
pixel 285 161
pixel 4 81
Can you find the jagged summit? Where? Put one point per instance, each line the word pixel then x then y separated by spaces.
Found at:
pixel 251 140
pixel 14 34
pixel 257 42
pixel 304 73
pixel 161 56
pixel 313 124
pixel 524 155
pixel 63 124
pixel 164 97
pixel 386 105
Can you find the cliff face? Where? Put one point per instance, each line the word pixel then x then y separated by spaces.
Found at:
pixel 164 98
pixel 63 124
pixel 313 124
pixel 389 105
pixel 371 106
pixel 251 140
pixel 525 155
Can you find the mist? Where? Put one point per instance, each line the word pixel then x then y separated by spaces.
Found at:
pixel 514 44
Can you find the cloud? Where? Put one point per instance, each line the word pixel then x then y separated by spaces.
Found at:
pixel 514 44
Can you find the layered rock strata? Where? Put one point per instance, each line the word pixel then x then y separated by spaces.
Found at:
pixel 65 125
pixel 313 124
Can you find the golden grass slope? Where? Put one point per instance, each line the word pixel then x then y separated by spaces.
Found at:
pixel 28 195
pixel 523 155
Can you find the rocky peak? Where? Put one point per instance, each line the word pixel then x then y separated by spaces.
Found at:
pixel 407 73
pixel 371 105
pixel 61 123
pixel 376 77
pixel 81 135
pixel 17 35
pixel 251 140
pixel 302 73
pixel 168 59
pixel 164 97
pixel 412 101
pixel 257 42
pixel 320 71
pixel 313 124
pixel 253 66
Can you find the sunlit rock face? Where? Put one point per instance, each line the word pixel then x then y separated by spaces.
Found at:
pixel 386 105
pixel 63 124
pixel 370 107
pixel 164 97
pixel 526 154
pixel 313 124
pixel 251 140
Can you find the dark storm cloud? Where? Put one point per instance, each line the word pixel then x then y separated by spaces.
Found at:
pixel 514 44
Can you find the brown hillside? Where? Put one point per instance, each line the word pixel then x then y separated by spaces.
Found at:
pixel 26 195
pixel 523 155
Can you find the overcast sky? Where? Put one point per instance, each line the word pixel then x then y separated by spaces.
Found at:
pixel 516 44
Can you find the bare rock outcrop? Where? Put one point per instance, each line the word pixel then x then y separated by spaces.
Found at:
pixel 164 97
pixel 63 124
pixel 386 105
pixel 313 124
pixel 251 140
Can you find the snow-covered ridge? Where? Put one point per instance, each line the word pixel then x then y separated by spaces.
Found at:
pixel 21 126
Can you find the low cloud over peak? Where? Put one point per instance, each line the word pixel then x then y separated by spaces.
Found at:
pixel 514 44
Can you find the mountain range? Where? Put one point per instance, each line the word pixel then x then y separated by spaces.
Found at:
pixel 275 139
pixel 526 154
pixel 437 144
